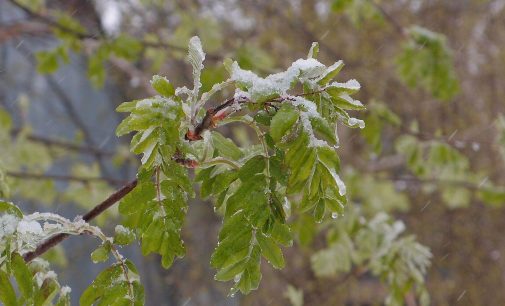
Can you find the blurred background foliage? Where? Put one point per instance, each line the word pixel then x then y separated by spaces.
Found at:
pixel 430 162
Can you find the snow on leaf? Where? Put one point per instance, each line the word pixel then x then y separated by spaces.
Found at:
pixel 196 56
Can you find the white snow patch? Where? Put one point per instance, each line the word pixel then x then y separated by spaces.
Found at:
pixel 65 290
pixel 29 226
pixel 40 277
pixel 121 230
pixel 278 83
pixel 8 225
pixel 356 122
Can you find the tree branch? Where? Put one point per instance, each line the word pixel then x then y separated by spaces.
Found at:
pixel 218 113
pixel 63 144
pixel 448 182
pixel 97 210
pixel 57 177
pixel 86 35
pixel 396 25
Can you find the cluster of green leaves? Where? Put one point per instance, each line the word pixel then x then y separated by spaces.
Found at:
pixel 36 286
pixel 426 61
pixel 70 33
pixel 449 170
pixel 357 10
pixel 22 283
pixel 34 283
pixel 124 47
pixel 376 246
pixel 255 187
pixel 110 287
pixel 426 58
pixel 155 210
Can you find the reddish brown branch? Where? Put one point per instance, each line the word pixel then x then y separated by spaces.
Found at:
pixel 97 210
pixel 218 113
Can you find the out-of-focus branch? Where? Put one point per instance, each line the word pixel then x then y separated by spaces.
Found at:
pixel 10 31
pixel 50 142
pixel 57 177
pixel 90 36
pixel 96 211
pixel 448 182
pixel 389 18
pixel 133 73
pixel 49 21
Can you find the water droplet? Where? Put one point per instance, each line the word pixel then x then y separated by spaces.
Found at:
pixel 334 215
pixel 236 279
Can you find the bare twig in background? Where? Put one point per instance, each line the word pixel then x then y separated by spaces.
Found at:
pixel 388 17
pixel 51 142
pixel 10 31
pixel 59 177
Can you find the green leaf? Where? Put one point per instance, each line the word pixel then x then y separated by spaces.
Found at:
pixel 23 276
pixel 323 129
pixel 331 72
pixel 492 195
pixel 314 50
pixel 10 208
pixel 47 62
pixel 48 291
pixel 126 46
pixel 270 251
pixel 426 61
pixel 7 294
pixel 158 218
pixel 283 120
pixel 226 147
pixel 253 166
pixel 111 287
pixel 229 272
pixel 101 253
pixel 344 101
pixel 162 86
pixel 281 233
pixel 96 71
pixel 251 276
pixel 196 57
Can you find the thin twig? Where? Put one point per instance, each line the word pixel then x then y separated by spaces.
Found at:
pixel 456 183
pixel 63 144
pixel 218 113
pixel 51 22
pixel 97 210
pixel 86 35
pixel 59 177
pixel 388 17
